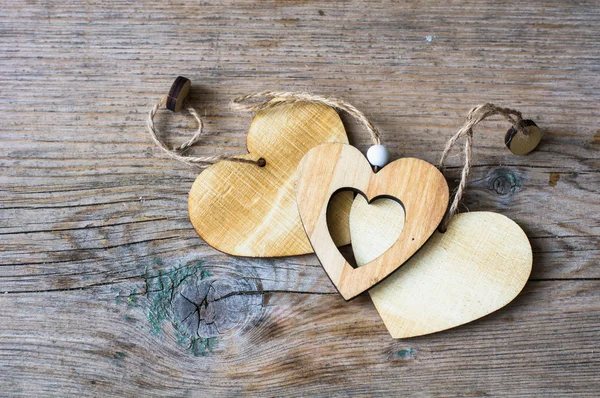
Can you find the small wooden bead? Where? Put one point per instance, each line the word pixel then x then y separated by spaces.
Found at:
pixel 378 155
pixel 178 93
pixel 521 144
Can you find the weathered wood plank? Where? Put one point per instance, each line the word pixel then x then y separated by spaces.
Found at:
pixel 91 213
pixel 522 349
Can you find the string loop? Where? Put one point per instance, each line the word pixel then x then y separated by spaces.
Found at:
pixel 475 116
pixel 272 99
pixel 177 152
pixel 268 100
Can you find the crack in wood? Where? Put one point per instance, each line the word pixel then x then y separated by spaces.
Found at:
pixel 87 227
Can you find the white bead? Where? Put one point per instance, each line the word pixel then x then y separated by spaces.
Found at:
pixel 378 155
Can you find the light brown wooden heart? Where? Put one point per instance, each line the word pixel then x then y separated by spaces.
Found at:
pixel 476 267
pixel 374 227
pixel 246 210
pixel 329 168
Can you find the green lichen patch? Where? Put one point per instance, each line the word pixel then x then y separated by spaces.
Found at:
pixel 408 353
pixel 161 287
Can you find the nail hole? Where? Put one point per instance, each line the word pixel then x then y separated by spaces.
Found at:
pixel 261 162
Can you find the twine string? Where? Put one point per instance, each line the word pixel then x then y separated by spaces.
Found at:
pixel 266 100
pixel 272 99
pixel 475 116
pixel 177 152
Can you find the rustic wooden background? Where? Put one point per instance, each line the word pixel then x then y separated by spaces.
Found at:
pixel 97 252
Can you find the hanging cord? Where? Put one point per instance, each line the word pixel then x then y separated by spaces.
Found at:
pixel 269 100
pixel 177 152
pixel 474 117
pixel 272 99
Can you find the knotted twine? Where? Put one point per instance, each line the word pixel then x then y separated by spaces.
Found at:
pixel 272 99
pixel 474 117
pixel 178 152
pixel 248 103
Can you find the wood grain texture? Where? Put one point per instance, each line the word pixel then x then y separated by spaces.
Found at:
pixel 246 210
pixel 91 211
pixel 476 267
pixel 328 169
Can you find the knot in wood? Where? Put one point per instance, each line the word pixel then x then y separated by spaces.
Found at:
pixel 213 306
pixel 504 182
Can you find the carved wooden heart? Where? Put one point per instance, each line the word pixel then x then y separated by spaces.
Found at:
pixel 476 267
pixel 246 210
pixel 374 227
pixel 329 168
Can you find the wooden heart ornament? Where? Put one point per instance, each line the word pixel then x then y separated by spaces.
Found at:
pixel 416 184
pixel 476 267
pixel 246 210
pixel 374 227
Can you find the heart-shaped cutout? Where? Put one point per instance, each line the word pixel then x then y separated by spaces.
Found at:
pixel 374 227
pixel 476 267
pixel 246 210
pixel 329 168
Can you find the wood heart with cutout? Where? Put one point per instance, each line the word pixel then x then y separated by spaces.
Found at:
pixel 479 265
pixel 416 184
pixel 246 210
pixel 374 227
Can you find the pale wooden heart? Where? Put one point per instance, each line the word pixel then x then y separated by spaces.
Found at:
pixel 476 267
pixel 329 168
pixel 246 210
pixel 374 227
